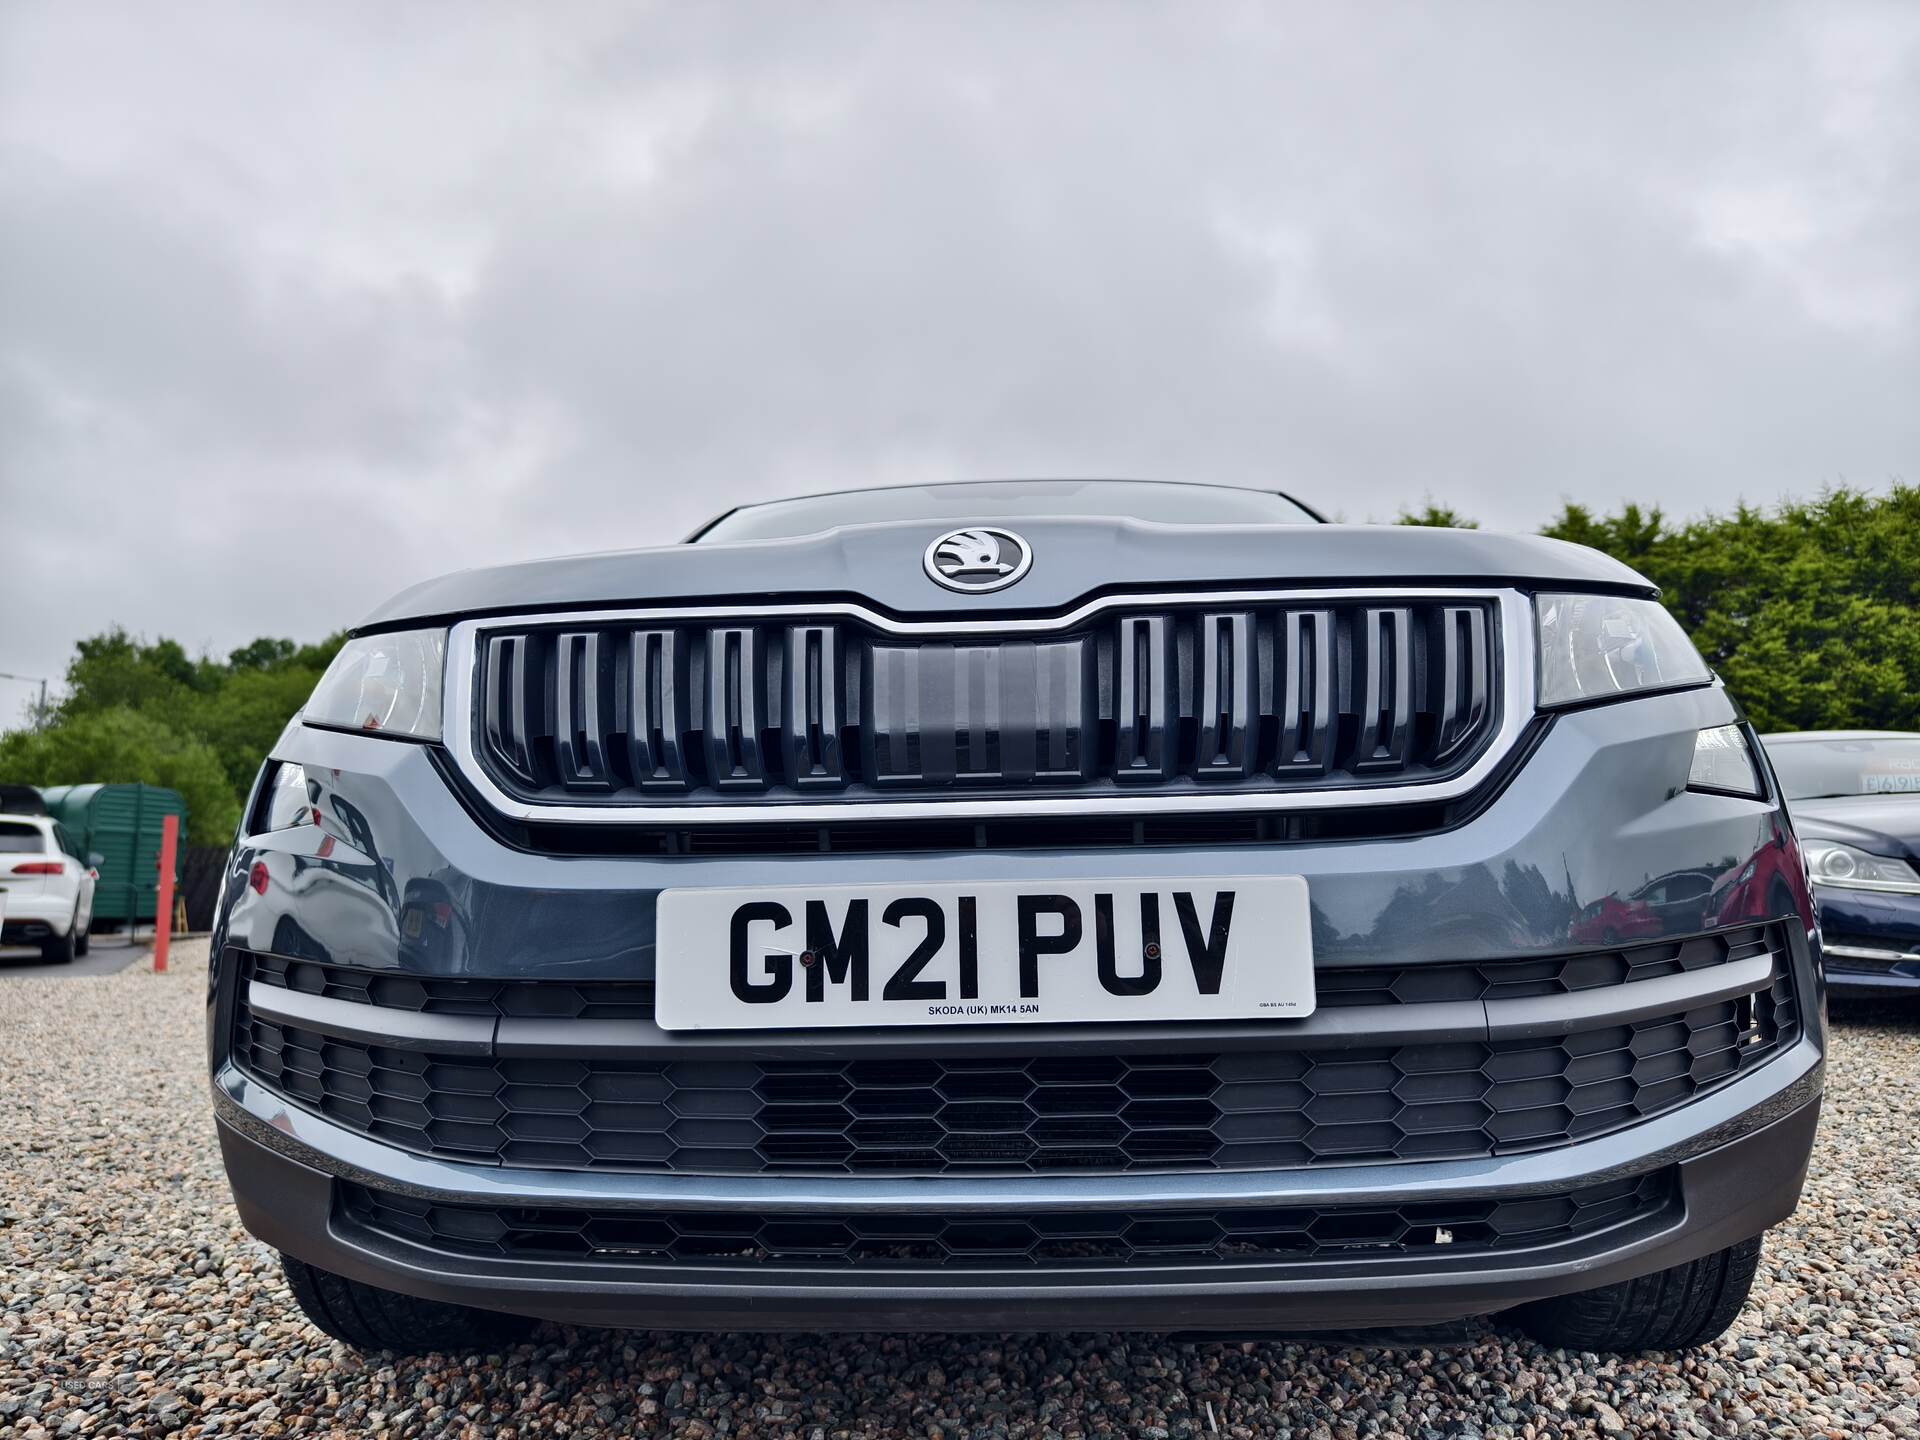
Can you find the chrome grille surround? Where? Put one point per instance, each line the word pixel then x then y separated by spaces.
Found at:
pixel 1511 695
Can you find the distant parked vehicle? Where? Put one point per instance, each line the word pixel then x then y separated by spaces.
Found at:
pixel 1855 797
pixel 47 885
pixel 21 800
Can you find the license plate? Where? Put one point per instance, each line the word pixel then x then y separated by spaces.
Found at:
pixel 1004 952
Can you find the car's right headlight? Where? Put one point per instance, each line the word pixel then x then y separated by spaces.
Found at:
pixel 383 685
pixel 1831 863
pixel 1601 647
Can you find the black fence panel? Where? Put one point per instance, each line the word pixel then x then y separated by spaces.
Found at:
pixel 200 869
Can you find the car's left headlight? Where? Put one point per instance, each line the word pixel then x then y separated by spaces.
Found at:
pixel 383 685
pixel 1850 868
pixel 1603 647
pixel 1723 764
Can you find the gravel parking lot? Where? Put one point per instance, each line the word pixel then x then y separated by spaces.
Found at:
pixel 132 1303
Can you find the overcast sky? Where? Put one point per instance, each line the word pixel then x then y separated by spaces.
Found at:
pixel 300 304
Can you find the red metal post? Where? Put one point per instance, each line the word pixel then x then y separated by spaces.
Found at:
pixel 163 913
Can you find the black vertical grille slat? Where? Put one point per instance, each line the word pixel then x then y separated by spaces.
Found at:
pixel 1383 688
pixel 736 714
pixel 812 715
pixel 1225 730
pixel 1303 692
pixel 978 720
pixel 659 710
pixel 1459 663
pixel 1144 696
pixel 583 707
pixel 1061 715
pixel 512 702
pixel 891 728
pixel 1260 698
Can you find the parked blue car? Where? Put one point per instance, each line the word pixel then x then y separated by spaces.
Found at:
pixel 1855 797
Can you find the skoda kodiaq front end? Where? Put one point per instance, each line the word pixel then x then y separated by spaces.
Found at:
pixel 1020 905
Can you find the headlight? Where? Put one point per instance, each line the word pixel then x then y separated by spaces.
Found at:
pixel 1600 647
pixel 1722 762
pixel 385 684
pixel 1834 864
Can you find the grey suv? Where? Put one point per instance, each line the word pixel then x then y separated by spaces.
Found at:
pixel 1013 906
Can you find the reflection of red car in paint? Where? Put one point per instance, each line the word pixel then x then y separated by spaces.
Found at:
pixel 1611 919
pixel 1670 904
pixel 1741 893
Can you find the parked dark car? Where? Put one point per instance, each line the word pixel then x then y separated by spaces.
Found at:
pixel 1856 804
pixel 1020 905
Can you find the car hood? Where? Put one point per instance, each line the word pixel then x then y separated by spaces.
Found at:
pixel 1073 559
pixel 1879 824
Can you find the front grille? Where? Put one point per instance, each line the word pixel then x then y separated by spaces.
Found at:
pixel 1256 698
pixel 1004 1240
pixel 935 1113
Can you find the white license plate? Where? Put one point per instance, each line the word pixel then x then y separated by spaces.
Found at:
pixel 1004 952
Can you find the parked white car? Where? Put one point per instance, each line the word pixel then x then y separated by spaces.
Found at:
pixel 48 887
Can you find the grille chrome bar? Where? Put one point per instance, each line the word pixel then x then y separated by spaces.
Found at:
pixel 1466 680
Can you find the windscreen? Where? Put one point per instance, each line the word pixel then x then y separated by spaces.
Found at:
pixel 987 500
pixel 1847 765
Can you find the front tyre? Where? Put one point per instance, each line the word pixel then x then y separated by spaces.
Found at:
pixel 369 1318
pixel 1675 1309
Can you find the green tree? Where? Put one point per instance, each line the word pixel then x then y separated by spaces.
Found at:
pixel 122 744
pixel 1431 513
pixel 146 710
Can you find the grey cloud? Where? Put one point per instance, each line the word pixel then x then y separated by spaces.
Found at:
pixel 311 306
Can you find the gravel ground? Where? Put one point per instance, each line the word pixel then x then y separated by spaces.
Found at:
pixel 132 1303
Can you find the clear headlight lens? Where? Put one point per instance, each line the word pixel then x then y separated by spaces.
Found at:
pixel 1830 863
pixel 1600 647
pixel 385 684
pixel 1722 761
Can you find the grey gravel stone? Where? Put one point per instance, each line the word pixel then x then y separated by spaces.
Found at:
pixel 133 1304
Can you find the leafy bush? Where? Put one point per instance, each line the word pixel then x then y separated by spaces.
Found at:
pixel 126 744
pixel 1810 611
pixel 1430 513
pixel 140 711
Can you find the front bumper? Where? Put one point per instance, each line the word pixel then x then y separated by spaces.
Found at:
pixel 421 888
pixel 1871 943
pixel 1739 1159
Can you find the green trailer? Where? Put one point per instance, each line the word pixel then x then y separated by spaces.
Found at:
pixel 121 825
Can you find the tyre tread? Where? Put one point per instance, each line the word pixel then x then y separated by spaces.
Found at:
pixel 1673 1309
pixel 370 1318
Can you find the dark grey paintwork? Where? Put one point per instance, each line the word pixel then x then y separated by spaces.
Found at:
pixel 1073 558
pixel 1559 859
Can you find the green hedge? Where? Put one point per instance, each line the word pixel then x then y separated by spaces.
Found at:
pixel 1810 611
